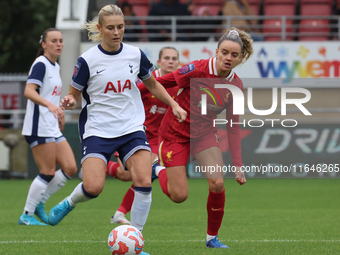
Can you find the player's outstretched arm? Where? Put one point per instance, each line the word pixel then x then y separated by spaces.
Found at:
pixel 240 177
pixel 159 92
pixel 70 100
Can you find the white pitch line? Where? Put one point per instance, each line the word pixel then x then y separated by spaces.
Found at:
pixel 173 241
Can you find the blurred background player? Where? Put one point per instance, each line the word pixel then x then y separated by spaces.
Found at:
pixel 197 135
pixel 113 115
pixel 44 121
pixel 168 61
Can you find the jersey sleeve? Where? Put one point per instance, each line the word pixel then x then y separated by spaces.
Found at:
pixel 145 68
pixel 180 77
pixel 37 74
pixel 168 80
pixel 183 75
pixel 81 74
pixel 234 134
pixel 172 90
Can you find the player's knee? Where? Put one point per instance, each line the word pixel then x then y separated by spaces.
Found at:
pixel 48 171
pixel 71 170
pixel 93 189
pixel 145 183
pixel 217 185
pixel 142 181
pixel 179 197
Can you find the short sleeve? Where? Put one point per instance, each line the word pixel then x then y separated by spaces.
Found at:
pixel 145 68
pixel 37 75
pixel 183 75
pixel 81 74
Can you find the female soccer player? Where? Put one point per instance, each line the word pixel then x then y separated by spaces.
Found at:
pixel 42 128
pixel 155 109
pixel 113 114
pixel 197 135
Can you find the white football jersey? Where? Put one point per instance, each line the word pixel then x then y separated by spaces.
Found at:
pixel 112 104
pixel 39 121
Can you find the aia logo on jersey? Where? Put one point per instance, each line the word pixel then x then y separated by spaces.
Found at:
pixel 117 88
pixel 56 91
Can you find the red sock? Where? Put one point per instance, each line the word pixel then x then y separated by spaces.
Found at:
pixel 215 208
pixel 111 169
pixel 163 181
pixel 126 204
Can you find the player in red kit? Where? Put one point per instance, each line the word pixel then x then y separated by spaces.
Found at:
pixel 155 109
pixel 197 135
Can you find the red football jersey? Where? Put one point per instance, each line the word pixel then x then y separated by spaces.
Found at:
pixel 189 98
pixel 154 108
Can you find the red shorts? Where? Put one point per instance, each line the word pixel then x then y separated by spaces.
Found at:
pixel 153 144
pixel 177 154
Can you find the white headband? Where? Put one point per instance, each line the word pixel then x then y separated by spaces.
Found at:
pixel 41 37
pixel 233 32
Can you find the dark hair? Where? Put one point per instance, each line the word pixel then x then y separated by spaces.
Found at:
pixel 167 48
pixel 43 39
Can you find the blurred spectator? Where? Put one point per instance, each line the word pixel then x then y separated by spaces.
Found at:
pixel 168 8
pixel 204 11
pixel 127 11
pixel 241 8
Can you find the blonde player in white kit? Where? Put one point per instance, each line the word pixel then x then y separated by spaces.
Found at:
pixel 44 121
pixel 113 114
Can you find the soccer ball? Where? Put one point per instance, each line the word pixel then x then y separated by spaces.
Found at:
pixel 126 239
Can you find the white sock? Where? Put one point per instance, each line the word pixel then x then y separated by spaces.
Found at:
pixel 35 194
pixel 55 184
pixel 140 207
pixel 209 237
pixel 158 169
pixel 79 195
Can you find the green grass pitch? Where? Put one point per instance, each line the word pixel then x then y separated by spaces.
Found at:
pixel 265 216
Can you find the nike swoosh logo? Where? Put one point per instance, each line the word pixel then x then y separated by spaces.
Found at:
pixel 26 223
pixel 101 71
pixel 146 143
pixel 213 209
